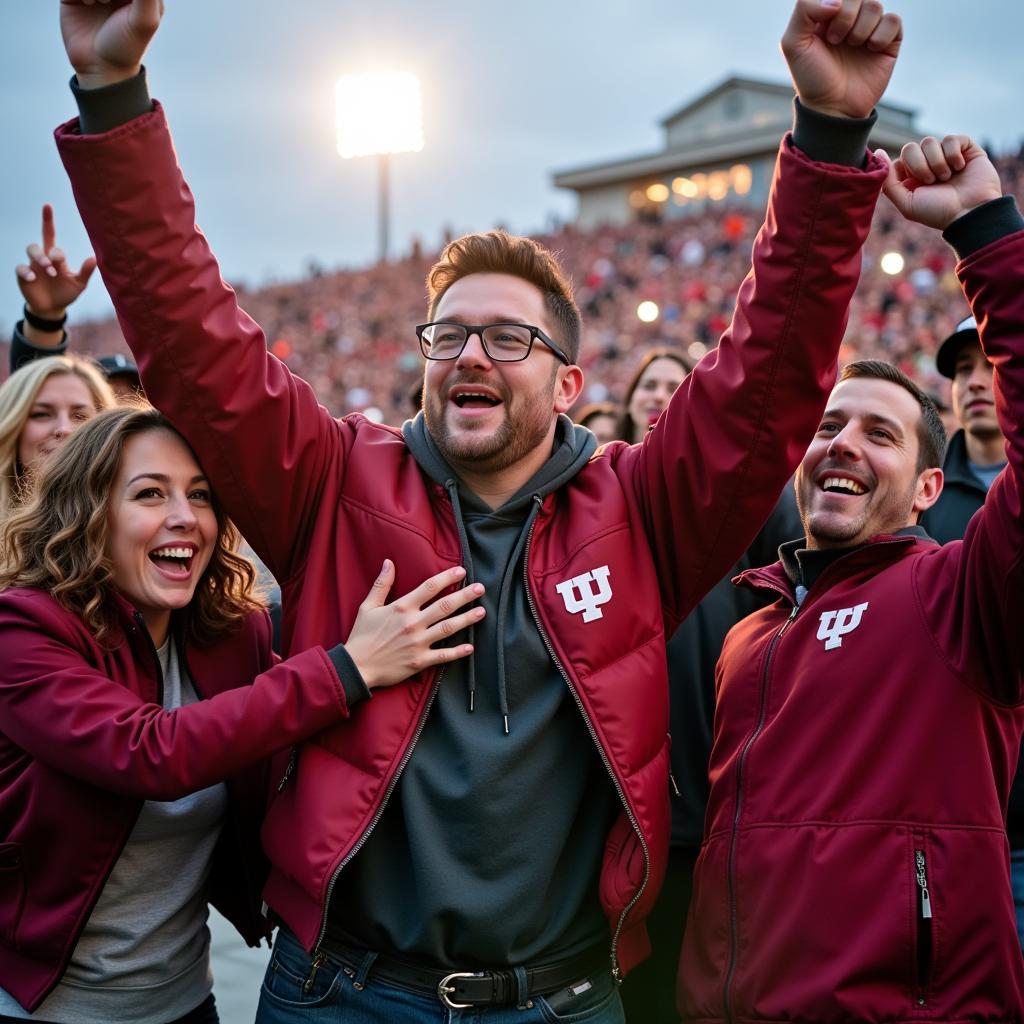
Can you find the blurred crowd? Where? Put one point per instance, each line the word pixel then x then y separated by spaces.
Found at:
pixel 350 332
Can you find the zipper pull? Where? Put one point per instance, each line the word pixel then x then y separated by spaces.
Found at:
pixel 922 883
pixel 307 985
pixel 792 616
pixel 675 787
pixel 293 760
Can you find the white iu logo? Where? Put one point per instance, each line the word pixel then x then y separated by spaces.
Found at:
pixel 835 625
pixel 588 601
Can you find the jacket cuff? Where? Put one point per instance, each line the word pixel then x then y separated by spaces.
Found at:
pixel 109 106
pixel 351 678
pixel 24 351
pixel 982 225
pixel 832 140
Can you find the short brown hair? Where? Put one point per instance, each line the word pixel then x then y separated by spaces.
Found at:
pixel 57 541
pixel 931 434
pixel 498 252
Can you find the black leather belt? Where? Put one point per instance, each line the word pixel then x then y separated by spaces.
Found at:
pixel 462 989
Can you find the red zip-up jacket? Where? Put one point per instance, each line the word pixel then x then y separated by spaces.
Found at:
pixel 324 501
pixel 855 864
pixel 84 741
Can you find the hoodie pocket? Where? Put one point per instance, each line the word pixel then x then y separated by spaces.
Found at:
pixel 12 892
pixel 924 908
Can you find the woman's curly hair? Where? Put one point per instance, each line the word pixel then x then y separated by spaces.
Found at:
pixel 58 539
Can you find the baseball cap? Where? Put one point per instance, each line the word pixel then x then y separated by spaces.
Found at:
pixel 945 358
pixel 118 365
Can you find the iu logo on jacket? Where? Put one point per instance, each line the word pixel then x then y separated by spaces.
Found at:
pixel 579 594
pixel 833 626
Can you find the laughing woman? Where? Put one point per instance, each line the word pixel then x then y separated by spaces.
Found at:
pixel 136 676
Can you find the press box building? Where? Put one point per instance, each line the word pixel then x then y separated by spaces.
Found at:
pixel 719 148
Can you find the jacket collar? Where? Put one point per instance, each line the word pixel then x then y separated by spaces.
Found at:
pixel 956 467
pixel 783 577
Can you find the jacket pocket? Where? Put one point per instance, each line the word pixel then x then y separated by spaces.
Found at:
pixel 12 892
pixel 924 938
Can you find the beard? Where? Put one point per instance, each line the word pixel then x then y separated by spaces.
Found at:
pixel 883 513
pixel 525 425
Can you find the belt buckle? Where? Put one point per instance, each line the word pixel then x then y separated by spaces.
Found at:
pixel 445 989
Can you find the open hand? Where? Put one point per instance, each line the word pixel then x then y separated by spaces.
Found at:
pixel 391 642
pixel 841 54
pixel 936 182
pixel 106 39
pixel 47 283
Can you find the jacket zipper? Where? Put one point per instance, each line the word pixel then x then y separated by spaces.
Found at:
pixel 924 927
pixel 616 973
pixel 318 954
pixel 734 838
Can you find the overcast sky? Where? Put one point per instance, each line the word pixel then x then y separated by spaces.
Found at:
pixel 512 91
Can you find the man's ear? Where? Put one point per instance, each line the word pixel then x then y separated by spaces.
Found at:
pixel 929 487
pixel 568 388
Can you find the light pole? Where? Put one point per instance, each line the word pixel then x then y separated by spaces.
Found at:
pixel 377 114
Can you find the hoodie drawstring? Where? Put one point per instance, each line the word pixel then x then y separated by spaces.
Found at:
pixel 452 487
pixel 503 595
pixel 507 582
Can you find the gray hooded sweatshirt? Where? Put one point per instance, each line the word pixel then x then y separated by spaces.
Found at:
pixel 489 851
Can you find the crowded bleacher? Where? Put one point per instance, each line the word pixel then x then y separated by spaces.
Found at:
pixel 340 330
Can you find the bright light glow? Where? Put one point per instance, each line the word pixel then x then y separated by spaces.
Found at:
pixel 637 199
pixel 378 112
pixel 696 349
pixel 657 193
pixel 718 185
pixel 647 312
pixel 891 263
pixel 742 179
pixel 685 187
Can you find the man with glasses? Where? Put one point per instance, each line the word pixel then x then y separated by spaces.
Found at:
pixel 489 836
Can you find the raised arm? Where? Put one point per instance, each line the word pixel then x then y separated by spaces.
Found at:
pixel 709 473
pixel 48 286
pixel 973 593
pixel 266 443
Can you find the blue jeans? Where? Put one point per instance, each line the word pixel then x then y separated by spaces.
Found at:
pixel 334 998
pixel 1017 879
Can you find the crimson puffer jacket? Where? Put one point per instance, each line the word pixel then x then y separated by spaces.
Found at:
pixel 323 501
pixel 84 740
pixel 855 864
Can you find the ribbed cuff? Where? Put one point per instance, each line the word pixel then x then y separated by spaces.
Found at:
pixel 983 225
pixel 110 106
pixel 832 140
pixel 351 678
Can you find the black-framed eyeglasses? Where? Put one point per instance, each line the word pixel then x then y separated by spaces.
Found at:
pixel 503 343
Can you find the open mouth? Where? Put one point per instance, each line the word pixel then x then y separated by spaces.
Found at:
pixel 468 398
pixel 842 485
pixel 174 560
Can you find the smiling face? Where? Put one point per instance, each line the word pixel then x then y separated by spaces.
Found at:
pixel 62 404
pixel 488 416
pixel 163 529
pixel 973 402
pixel 859 478
pixel 653 391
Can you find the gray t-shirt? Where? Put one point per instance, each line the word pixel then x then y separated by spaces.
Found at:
pixel 144 955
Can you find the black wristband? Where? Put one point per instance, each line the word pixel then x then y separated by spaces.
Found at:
pixel 42 324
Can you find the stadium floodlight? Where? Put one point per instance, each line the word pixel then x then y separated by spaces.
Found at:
pixel 377 114
pixel 648 311
pixel 892 263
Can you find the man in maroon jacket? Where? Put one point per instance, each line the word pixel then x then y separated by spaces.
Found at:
pixel 493 838
pixel 855 864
